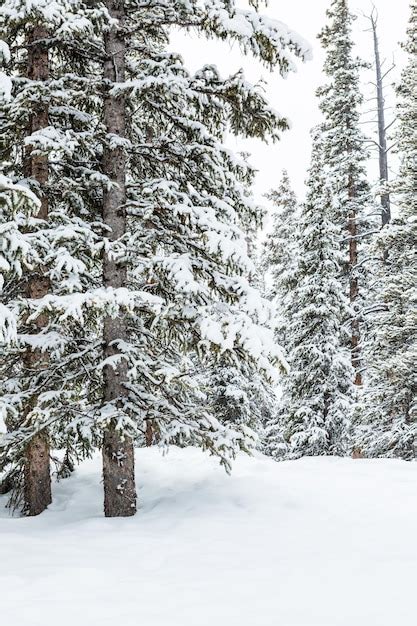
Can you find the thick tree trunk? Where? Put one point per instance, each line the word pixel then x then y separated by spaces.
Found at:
pixel 118 452
pixel 382 134
pixel 37 477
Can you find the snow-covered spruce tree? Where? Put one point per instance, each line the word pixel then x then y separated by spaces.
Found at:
pixel 279 260
pixel 37 472
pixel 186 202
pixel 387 420
pixel 280 253
pixel 318 393
pixel 44 136
pixel 79 151
pixel 345 158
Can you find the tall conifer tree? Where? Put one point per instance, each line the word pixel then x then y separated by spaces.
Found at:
pixel 43 131
pixel 280 253
pixel 345 158
pixel 318 393
pixel 186 204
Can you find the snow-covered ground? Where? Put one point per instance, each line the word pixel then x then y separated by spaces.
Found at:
pixel 315 542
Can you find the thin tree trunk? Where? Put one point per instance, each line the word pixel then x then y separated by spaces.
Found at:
pixel 118 451
pixel 37 476
pixel 354 289
pixel 382 134
pixel 149 433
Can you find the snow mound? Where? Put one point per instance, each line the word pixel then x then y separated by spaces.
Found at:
pixel 315 542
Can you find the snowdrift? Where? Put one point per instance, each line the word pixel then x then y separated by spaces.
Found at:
pixel 315 542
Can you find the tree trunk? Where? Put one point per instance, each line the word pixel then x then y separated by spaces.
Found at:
pixel 354 289
pixel 149 433
pixel 382 134
pixel 118 451
pixel 37 477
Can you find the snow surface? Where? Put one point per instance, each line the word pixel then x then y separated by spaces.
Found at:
pixel 315 542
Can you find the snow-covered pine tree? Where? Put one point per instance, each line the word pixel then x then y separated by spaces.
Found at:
pixel 279 263
pixel 345 158
pixel 186 203
pixel 318 393
pixel 280 254
pixel 194 258
pixel 387 420
pixel 45 138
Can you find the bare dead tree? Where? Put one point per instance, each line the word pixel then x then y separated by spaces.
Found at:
pixel 382 143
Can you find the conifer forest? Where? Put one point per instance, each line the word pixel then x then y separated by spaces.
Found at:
pixel 208 312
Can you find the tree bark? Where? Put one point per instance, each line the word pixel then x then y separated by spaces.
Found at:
pixel 354 290
pixel 382 134
pixel 118 451
pixel 37 476
pixel 149 433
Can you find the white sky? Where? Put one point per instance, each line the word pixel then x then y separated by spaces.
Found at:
pixel 295 96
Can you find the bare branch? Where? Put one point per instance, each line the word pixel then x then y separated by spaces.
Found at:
pixel 392 146
pixel 390 124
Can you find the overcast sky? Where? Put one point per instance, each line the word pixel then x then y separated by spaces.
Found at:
pixel 295 96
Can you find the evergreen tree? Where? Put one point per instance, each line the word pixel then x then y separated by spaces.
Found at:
pixel 144 244
pixel 317 395
pixel 187 202
pixel 280 255
pixel 46 132
pixel 387 421
pixel 279 261
pixel 345 158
